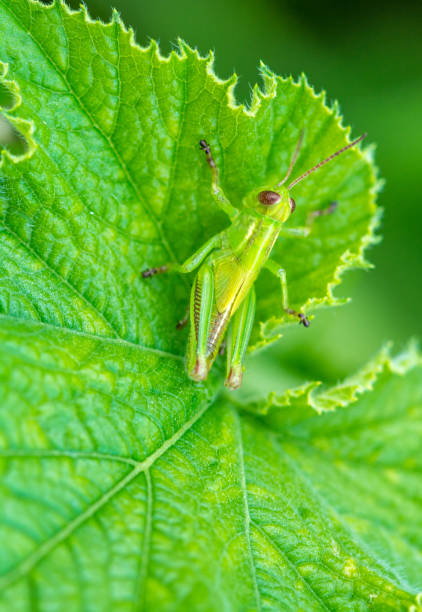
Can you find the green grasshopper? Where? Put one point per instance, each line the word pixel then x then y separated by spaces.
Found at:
pixel 223 295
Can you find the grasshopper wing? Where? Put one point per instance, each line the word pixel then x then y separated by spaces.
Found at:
pixel 230 277
pixel 230 287
pixel 230 283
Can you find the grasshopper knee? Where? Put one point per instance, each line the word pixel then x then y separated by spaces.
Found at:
pixel 200 370
pixel 234 378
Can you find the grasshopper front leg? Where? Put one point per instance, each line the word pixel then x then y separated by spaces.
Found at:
pixel 238 335
pixel 191 263
pixel 278 271
pixel 216 189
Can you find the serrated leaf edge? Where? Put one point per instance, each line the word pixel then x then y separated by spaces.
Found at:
pixel 347 392
pixel 270 330
pixel 24 127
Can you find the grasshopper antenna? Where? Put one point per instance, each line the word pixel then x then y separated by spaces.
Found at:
pixel 294 158
pixel 324 161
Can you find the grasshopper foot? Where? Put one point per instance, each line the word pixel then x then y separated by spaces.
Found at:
pixel 305 322
pixel 302 318
pixel 181 324
pixel 153 271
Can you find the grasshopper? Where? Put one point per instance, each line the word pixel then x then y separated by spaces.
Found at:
pixel 222 299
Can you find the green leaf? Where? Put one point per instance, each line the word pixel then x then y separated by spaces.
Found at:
pixel 114 181
pixel 119 494
pixel 124 484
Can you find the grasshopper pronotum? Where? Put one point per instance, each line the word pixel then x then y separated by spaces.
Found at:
pixel 223 295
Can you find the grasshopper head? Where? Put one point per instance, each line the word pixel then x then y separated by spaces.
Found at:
pixel 275 204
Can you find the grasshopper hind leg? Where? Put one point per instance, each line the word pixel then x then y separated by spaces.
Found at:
pixel 201 303
pixel 238 336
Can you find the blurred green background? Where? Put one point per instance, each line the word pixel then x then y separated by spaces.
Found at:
pixel 369 57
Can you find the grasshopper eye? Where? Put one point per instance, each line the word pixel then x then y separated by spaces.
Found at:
pixel 292 205
pixel 268 198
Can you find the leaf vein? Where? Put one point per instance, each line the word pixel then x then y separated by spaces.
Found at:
pixel 90 336
pixel 284 555
pixel 175 156
pixel 62 279
pixel 16 453
pixel 24 567
pixel 246 509
pixel 140 587
pixel 98 128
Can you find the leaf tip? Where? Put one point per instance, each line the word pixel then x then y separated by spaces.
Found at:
pixel 184 48
pixel 116 17
pixel 310 397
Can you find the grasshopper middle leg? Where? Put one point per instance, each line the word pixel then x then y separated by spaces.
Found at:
pixel 305 230
pixel 273 267
pixel 320 213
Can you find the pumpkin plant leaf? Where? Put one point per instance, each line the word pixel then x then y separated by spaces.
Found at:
pixel 113 180
pixel 125 485
pixel 121 492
